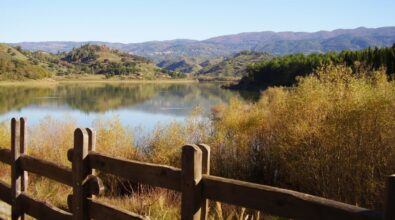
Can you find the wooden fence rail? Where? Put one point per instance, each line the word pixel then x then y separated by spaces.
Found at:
pixel 193 180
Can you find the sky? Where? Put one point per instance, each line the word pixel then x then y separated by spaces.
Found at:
pixel 131 21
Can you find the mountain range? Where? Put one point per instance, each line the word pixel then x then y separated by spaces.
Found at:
pixel 275 43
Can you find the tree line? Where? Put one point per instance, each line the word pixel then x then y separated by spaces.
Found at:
pixel 284 71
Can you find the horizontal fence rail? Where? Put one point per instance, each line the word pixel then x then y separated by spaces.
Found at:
pixel 281 202
pixel 193 180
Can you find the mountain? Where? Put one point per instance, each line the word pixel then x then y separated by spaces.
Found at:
pixel 277 43
pixel 15 65
pixel 234 66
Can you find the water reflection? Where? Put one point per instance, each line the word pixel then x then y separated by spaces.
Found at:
pixel 142 104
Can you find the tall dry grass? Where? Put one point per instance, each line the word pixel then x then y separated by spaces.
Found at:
pixel 331 135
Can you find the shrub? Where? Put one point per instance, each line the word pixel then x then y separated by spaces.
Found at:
pixel 331 135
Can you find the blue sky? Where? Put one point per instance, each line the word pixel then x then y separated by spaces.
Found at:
pixel 131 21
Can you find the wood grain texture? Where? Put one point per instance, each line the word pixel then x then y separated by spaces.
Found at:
pixel 5 156
pixel 42 210
pixel 80 172
pixel 5 192
pixel 16 171
pixel 282 202
pixel 191 176
pixel 139 172
pixel 99 210
pixel 206 152
pixel 47 169
pixel 23 150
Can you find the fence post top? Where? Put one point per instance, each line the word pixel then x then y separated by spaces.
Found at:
pixel 204 147
pixel 190 148
pixel 80 132
pixel 90 130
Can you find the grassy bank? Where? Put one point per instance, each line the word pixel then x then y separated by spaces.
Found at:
pixel 332 135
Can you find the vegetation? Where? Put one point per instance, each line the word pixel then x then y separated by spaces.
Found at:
pixel 331 135
pixel 234 66
pixel 283 71
pixel 15 65
pixel 87 59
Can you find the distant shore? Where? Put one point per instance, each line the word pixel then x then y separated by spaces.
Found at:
pixel 91 79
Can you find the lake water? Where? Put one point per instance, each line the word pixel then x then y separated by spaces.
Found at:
pixel 141 105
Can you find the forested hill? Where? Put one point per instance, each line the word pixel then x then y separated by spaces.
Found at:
pixel 95 59
pixel 277 43
pixel 16 63
pixel 283 71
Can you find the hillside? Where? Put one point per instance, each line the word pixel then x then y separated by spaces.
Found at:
pixel 15 65
pixel 285 70
pixel 184 65
pixel 276 43
pixel 234 66
pixel 94 59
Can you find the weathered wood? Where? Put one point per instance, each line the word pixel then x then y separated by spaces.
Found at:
pixel 94 186
pixel 5 192
pixel 99 210
pixel 205 170
pixel 191 187
pixel 16 171
pixel 80 172
pixel 92 148
pixel 23 150
pixel 47 169
pixel 5 156
pixel 389 212
pixel 281 202
pixel 139 172
pixel 91 144
pixel 42 210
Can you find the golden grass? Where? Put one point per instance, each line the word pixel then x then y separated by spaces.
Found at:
pixel 332 135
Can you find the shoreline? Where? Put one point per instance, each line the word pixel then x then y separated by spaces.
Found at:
pixel 80 81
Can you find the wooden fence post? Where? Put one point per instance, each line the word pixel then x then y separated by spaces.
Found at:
pixel 191 184
pixel 80 171
pixel 23 150
pixel 18 176
pixel 91 147
pixel 205 170
pixel 389 212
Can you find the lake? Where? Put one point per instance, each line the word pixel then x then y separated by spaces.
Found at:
pixel 141 105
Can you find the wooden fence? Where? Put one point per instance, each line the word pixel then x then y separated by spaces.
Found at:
pixel 194 182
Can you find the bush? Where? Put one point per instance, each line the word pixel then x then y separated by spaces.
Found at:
pixel 332 135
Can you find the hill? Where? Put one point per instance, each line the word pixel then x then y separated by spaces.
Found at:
pixel 284 71
pixel 277 43
pixel 234 66
pixel 95 59
pixel 15 65
pixel 182 65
